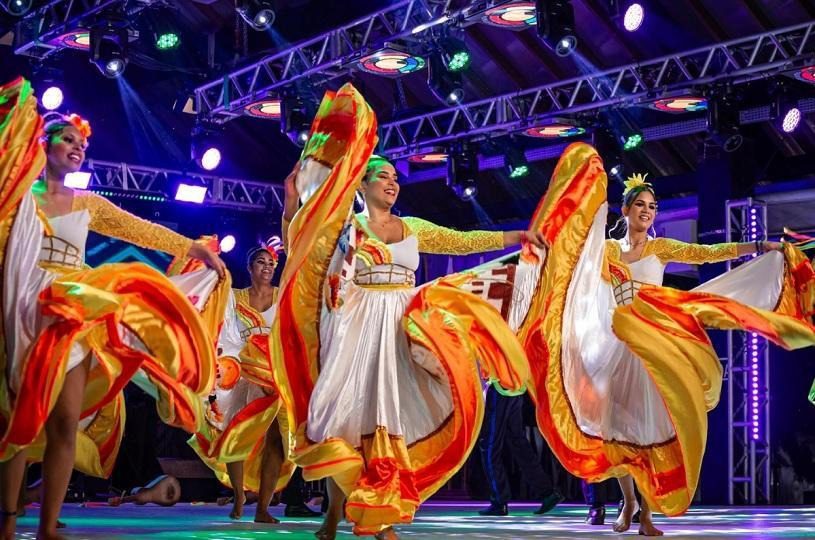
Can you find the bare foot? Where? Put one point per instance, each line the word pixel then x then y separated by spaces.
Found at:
pixel 328 530
pixel 387 534
pixel 647 526
pixel 237 508
pixel 263 516
pixel 623 522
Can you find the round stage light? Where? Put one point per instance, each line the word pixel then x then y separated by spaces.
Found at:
pixel 459 61
pixel 469 192
pixel 211 158
pixel 516 16
pixel 114 68
pixel 680 104
pixel 791 120
pixel 257 13
pixel 566 46
pixel 554 131
pixel 265 108
pixel 455 96
pixel 78 39
pixel 52 98
pixel 806 74
pixel 16 8
pixel 519 171
pixel 228 243
pixel 391 63
pixel 632 142
pixel 633 17
pixel 169 40
pixel 615 170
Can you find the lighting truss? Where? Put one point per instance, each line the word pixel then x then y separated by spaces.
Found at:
pixel 35 32
pixel 748 381
pixel 737 61
pixel 221 192
pixel 328 55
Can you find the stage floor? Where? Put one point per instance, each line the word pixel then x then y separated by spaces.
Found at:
pixel 435 520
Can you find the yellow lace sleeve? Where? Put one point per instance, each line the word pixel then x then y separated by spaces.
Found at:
pixel 670 250
pixel 110 220
pixel 436 239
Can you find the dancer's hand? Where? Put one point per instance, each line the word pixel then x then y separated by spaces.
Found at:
pixel 203 253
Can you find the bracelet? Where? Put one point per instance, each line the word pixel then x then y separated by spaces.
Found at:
pixel 7 514
pixel 759 247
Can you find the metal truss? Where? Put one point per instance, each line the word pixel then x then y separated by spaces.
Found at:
pixel 222 192
pixel 748 381
pixel 328 55
pixel 736 61
pixel 35 33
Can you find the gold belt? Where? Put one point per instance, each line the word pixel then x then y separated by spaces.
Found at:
pixel 56 251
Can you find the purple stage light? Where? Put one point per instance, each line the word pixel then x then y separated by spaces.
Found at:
pixel 193 194
pixel 77 180
pixel 633 17
pixel 52 98
pixel 791 120
pixel 228 243
pixel 211 158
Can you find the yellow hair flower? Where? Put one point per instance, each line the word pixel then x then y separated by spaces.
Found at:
pixel 635 181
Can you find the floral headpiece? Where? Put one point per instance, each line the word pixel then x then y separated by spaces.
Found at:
pixel 273 245
pixel 81 125
pixel 636 182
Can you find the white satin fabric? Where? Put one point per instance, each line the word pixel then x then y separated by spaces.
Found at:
pixel 369 376
pixel 24 278
pixel 610 391
pixel 230 343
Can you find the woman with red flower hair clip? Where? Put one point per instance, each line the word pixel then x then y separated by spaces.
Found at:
pixel 245 444
pixel 75 336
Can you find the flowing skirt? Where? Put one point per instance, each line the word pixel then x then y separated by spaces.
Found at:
pixel 127 317
pixel 626 389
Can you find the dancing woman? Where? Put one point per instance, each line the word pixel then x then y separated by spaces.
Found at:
pixel 622 369
pixel 74 337
pixel 381 385
pixel 247 450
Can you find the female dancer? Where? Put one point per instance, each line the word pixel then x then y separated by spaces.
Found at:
pixel 624 373
pixel 74 337
pixel 382 385
pixel 243 408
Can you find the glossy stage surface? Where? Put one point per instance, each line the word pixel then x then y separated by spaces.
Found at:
pixel 447 519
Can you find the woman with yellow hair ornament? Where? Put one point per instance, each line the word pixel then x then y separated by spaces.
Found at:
pixel 622 369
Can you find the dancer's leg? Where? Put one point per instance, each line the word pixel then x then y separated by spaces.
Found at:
pixel 271 460
pixel 336 499
pixel 60 448
pixel 235 472
pixel 630 505
pixel 646 522
pixel 11 478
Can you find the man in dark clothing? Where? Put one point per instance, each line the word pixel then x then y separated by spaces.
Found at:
pixel 503 427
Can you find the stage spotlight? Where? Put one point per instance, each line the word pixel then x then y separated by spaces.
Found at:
pixel 295 120
pixel 16 8
pixel 191 193
pixel 791 119
pixel 108 45
pixel 556 25
pixel 52 98
pixel 228 243
pixel 462 170
pixel 446 85
pixel 77 180
pixel 204 146
pixel 167 40
pixel 633 17
pixel 516 163
pixel 723 122
pixel 608 146
pixel 632 141
pixel 786 112
pixel 454 54
pixel 257 13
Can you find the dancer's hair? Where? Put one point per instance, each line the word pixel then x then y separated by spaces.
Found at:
pixel 255 252
pixel 373 164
